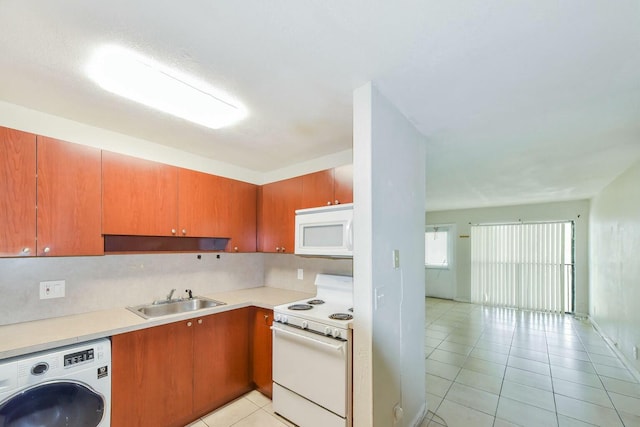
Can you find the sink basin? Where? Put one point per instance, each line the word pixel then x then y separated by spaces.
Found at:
pixel 164 308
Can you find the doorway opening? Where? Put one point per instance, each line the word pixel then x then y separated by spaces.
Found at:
pixel 528 266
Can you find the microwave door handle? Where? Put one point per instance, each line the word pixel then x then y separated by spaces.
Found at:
pixel 337 347
pixel 350 234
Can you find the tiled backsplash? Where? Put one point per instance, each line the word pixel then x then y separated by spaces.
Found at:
pixel 103 282
pixel 281 271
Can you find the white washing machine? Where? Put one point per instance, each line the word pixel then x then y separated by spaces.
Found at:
pixel 63 387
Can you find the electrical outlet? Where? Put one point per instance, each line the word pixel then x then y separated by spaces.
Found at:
pixel 300 274
pixel 52 289
pixel 635 352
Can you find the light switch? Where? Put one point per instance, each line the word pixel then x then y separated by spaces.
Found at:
pixel 396 259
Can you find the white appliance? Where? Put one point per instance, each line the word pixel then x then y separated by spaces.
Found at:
pixel 325 231
pixel 312 356
pixel 67 386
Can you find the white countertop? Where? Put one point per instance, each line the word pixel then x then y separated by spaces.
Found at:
pixel 29 337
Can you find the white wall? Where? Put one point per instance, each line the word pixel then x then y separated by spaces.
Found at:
pixel 615 262
pixel 389 190
pixel 577 211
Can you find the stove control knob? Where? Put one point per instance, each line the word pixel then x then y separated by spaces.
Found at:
pixel 336 333
pixel 327 331
pixel 285 319
pixel 305 324
pixel 277 318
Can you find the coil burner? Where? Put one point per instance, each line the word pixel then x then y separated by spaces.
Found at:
pixel 300 307
pixel 315 302
pixel 341 316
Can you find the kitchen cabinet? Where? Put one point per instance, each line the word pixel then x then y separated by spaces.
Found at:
pixel 169 375
pixel 221 359
pixel 145 198
pixel 139 197
pixel 261 350
pixel 17 193
pixel 327 187
pixel 201 204
pixel 152 376
pixel 68 196
pixel 277 203
pixel 49 194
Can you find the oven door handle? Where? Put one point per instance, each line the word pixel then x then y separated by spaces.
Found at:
pixel 336 347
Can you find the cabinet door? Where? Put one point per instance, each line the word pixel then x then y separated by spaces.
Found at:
pixel 69 199
pixel 343 184
pixel 152 376
pixel 241 219
pixel 139 197
pixel 221 359
pixel 261 350
pixel 17 193
pixel 201 204
pixel 278 203
pixel 317 189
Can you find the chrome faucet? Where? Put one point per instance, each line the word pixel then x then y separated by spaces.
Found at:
pixel 170 295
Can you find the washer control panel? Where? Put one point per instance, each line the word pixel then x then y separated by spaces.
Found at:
pixel 78 357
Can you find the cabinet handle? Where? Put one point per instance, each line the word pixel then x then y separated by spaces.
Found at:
pixel 46 250
pixel 26 250
pixel 277 249
pixel 188 324
pixel 282 249
pixel 173 231
pixel 235 248
pixel 328 203
pixel 199 321
pixel 266 319
pixel 336 202
pixel 184 231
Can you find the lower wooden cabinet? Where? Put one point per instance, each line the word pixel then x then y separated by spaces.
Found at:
pixel 261 350
pixel 221 359
pixel 170 375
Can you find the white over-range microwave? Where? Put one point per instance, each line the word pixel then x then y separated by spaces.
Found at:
pixel 325 231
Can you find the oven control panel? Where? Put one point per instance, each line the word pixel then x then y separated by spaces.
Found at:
pixel 311 326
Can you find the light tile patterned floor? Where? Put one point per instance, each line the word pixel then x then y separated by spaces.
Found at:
pixel 497 368
pixel 251 410
pixel 500 367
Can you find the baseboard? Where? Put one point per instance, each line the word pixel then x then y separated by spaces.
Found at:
pixel 626 362
pixel 422 414
pixel 462 300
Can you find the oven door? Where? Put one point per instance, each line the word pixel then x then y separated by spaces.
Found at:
pixel 313 366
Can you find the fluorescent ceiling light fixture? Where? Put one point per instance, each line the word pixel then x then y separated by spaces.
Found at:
pixel 155 85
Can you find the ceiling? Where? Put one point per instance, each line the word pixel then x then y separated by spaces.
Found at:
pixel 519 102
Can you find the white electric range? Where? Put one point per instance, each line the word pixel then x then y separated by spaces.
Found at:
pixel 312 356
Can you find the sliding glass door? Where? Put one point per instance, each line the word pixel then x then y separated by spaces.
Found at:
pixel 525 265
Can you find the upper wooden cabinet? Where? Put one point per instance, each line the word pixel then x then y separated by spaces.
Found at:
pixel 241 220
pixel 327 187
pixel 277 203
pixel 201 204
pixel 145 198
pixel 139 197
pixel 17 193
pixel 69 208
pixel 66 193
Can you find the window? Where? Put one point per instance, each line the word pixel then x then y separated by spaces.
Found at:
pixel 527 265
pixel 436 247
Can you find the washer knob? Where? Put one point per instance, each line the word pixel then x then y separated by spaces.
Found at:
pixel 305 324
pixel 327 331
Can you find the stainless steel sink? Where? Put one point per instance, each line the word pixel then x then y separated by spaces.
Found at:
pixel 164 308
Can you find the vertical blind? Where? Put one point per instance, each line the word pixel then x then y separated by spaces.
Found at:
pixel 528 266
